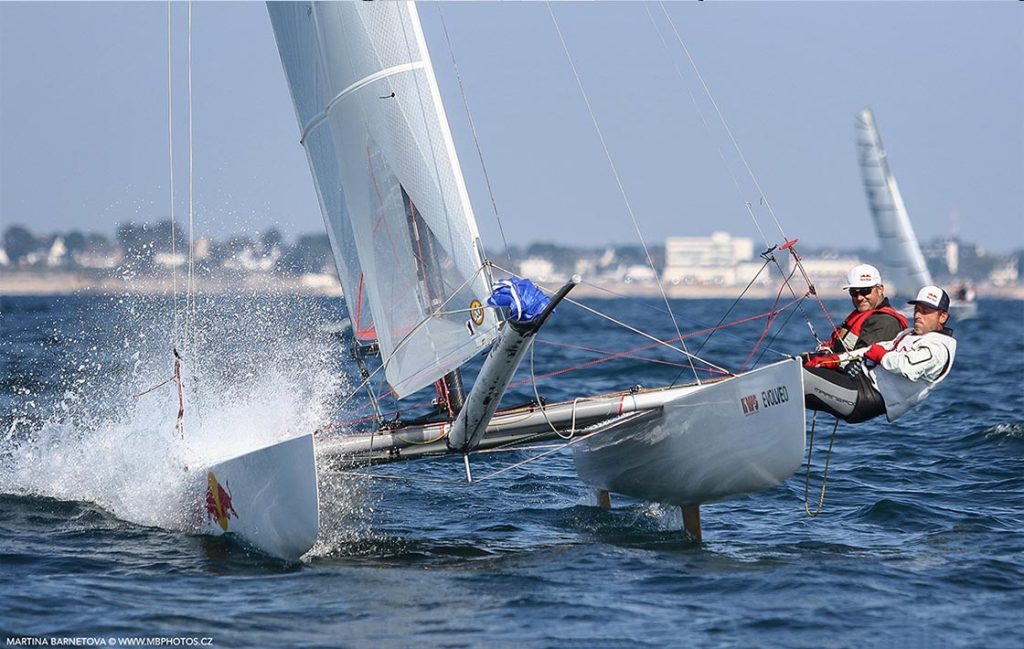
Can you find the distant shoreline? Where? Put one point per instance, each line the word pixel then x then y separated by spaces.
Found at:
pixel 45 283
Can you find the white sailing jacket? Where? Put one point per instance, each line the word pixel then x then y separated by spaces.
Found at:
pixel 915 365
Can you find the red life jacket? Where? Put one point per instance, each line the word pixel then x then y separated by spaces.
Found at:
pixel 845 337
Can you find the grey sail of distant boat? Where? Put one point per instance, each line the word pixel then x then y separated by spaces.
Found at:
pixel 416 282
pixel 905 267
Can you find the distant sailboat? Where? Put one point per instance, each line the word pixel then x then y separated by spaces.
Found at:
pixel 905 267
pixel 416 283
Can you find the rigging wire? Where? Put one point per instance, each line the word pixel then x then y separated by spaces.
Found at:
pixel 170 169
pixel 704 327
pixel 707 127
pixel 639 332
pixel 476 140
pixel 721 118
pixel 618 180
pixel 191 307
pixel 763 199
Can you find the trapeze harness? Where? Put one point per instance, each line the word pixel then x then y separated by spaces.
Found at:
pixel 846 337
pixel 860 392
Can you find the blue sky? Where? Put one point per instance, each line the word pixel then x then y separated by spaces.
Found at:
pixel 84 132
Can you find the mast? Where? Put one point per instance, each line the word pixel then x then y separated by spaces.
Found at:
pixel 450 394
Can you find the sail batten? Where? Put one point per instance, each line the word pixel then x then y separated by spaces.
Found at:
pixel 319 118
pixel 398 215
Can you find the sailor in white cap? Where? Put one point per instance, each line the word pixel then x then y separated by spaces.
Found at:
pixel 897 375
pixel 872 320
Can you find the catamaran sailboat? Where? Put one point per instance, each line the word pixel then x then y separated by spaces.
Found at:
pixel 905 267
pixel 417 286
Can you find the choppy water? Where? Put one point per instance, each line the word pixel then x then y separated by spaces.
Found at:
pixel 920 543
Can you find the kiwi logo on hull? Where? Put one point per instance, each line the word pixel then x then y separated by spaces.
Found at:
pixel 753 403
pixel 749 404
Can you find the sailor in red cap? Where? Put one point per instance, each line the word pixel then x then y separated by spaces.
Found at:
pixel 890 377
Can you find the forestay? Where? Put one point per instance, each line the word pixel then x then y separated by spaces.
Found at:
pixel 906 269
pixel 398 216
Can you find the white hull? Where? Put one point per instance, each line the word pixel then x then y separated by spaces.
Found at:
pixel 735 436
pixel 268 498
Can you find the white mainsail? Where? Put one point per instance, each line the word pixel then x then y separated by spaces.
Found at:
pixel 398 216
pixel 906 270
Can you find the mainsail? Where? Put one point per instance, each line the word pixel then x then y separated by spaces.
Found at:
pixel 906 270
pixel 407 249
pixel 398 216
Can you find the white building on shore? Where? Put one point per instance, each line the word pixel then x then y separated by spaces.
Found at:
pixel 718 260
pixel 828 272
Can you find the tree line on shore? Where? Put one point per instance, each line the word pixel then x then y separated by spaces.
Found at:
pixel 150 247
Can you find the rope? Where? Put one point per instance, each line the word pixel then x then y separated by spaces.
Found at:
pixel 180 425
pixel 727 311
pixel 778 331
pixel 618 181
pixel 799 265
pixel 824 475
pixel 409 478
pixel 773 314
pixel 155 387
pixel 476 140
pixel 540 402
pixel 530 460
pixel 176 377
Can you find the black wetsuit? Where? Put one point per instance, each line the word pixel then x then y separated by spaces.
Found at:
pixel 847 395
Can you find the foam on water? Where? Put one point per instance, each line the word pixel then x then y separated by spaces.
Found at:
pixel 257 370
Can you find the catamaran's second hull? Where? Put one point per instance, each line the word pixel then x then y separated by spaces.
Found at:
pixel 267 498
pixel 739 435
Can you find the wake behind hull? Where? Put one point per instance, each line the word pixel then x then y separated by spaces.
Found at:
pixel 267 498
pixel 740 435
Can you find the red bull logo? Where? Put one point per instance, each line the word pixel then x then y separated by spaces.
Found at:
pixel 218 502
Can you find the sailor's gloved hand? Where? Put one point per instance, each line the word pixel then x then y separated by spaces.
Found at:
pixel 827 360
pixel 876 352
pixel 854 369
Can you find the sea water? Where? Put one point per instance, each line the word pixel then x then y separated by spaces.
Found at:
pixel 920 542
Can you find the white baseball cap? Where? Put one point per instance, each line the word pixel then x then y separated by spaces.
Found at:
pixel 932 296
pixel 863 276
